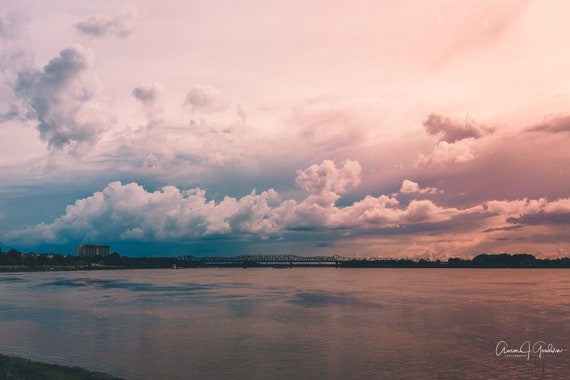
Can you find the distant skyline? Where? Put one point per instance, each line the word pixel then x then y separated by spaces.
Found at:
pixel 365 128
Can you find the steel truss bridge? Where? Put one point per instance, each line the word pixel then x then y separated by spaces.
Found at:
pixel 268 259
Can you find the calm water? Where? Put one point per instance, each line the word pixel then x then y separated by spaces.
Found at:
pixel 300 323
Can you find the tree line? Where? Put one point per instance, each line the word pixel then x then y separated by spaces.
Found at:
pixel 14 260
pixel 502 260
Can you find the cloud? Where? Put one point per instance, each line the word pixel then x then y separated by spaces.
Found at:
pixel 205 98
pixel 555 125
pixel 455 140
pixel 410 187
pixel 241 114
pixel 330 125
pixel 129 212
pixel 60 97
pixel 386 212
pixel 325 181
pixel 444 153
pixel 15 54
pixel 12 25
pixel 541 219
pixel 150 95
pixel 120 25
pixel 451 131
pixel 525 219
pixel 516 207
pixel 532 211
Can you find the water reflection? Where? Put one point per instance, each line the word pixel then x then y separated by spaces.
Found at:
pixel 300 323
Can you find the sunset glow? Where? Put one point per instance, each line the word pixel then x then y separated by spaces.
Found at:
pixel 365 128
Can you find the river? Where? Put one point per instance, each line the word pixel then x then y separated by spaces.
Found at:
pixel 299 323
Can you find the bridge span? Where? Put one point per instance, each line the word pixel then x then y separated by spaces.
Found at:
pixel 265 260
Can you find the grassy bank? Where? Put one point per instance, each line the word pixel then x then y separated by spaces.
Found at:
pixel 23 369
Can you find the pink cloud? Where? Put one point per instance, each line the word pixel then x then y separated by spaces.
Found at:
pixel 555 125
pixel 205 98
pixel 451 131
pixel 120 25
pixel 410 187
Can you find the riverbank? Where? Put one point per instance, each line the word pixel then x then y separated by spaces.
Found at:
pixel 12 368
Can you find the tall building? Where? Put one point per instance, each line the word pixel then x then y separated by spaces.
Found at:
pixel 91 250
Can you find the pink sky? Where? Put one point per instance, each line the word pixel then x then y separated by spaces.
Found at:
pixel 387 129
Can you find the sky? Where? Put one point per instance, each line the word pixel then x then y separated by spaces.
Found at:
pixel 418 129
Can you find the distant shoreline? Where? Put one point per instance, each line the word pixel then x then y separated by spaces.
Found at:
pixel 14 261
pixel 16 368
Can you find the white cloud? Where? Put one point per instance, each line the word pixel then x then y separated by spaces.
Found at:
pixel 123 212
pixel 410 187
pixel 446 153
pixel 127 212
pixel 516 207
pixel 457 140
pixel 560 205
pixel 325 181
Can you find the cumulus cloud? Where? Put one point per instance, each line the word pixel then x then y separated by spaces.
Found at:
pixel 520 218
pixel 516 207
pixel 325 182
pixel 556 125
pixel 61 98
pixel 451 131
pixel 455 140
pixel 410 187
pixel 120 25
pixel 386 212
pixel 205 98
pixel 532 211
pixel 129 212
pixel 445 153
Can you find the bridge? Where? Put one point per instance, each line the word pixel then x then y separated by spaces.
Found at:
pixel 265 260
